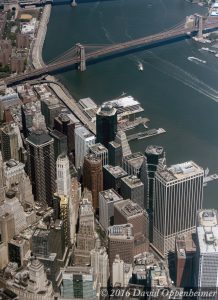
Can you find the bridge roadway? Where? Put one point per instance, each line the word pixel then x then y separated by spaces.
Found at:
pixel 171 34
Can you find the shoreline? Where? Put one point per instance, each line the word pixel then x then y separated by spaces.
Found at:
pixel 36 54
pixel 61 92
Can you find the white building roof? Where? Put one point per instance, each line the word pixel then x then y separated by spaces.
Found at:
pixel 208 239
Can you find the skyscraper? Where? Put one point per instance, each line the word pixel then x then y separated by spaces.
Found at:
pixel 11 141
pixel 60 142
pixel 106 124
pixel 185 260
pixel 66 125
pixel 178 197
pixel 101 152
pixel 121 241
pixel 207 253
pixel 2 180
pixel 17 180
pixel 107 200
pixel 41 166
pixel 78 283
pixel 83 140
pixel 112 177
pixel 85 240
pixel 155 160
pixel 132 188
pixel 118 148
pixel 63 175
pixel 93 177
pixel 100 265
pixel 132 163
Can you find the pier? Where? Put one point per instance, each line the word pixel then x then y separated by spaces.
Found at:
pixel 145 134
pixel 210 178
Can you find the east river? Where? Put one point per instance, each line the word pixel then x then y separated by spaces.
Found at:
pixel 177 94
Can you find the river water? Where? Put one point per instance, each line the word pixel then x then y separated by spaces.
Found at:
pixel 177 94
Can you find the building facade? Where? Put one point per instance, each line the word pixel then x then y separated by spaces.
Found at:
pixel 178 197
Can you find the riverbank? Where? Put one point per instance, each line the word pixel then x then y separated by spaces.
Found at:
pixel 37 60
pixel 58 89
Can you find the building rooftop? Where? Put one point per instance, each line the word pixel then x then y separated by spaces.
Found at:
pixel 98 148
pixel 124 231
pixel 208 239
pixel 159 277
pixel 106 110
pixel 134 159
pixel 41 232
pixel 39 137
pixel 116 171
pixel 181 171
pixel 57 134
pixel 128 208
pixel 155 150
pixel 110 195
pixel 125 105
pixel 185 244
pixel 132 181
pixel 207 217
pixel 83 132
pixel 13 164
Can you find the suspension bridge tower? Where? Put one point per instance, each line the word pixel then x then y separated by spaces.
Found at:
pixel 199 25
pixel 81 57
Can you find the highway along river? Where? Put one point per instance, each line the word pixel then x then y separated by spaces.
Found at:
pixel 177 94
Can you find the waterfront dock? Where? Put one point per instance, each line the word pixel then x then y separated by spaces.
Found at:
pixel 145 134
pixel 210 178
pixel 125 125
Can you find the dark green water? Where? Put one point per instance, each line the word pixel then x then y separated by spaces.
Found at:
pixel 179 95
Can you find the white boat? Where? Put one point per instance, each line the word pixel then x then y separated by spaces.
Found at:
pixel 140 66
pixel 192 58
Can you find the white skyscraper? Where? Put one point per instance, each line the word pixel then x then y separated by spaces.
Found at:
pixel 63 175
pixel 83 140
pixel 178 195
pixel 100 265
pixel 13 206
pixel 207 253
pixel 17 179
pixel 121 272
pixel 2 179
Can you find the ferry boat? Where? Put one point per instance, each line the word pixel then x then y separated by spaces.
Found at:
pixel 192 58
pixel 140 66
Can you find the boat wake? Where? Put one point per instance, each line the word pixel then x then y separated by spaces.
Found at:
pixel 196 60
pixel 182 76
pixel 106 32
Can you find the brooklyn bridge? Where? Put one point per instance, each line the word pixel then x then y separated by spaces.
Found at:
pixel 79 55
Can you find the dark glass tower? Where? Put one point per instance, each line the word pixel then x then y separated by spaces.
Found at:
pixel 155 159
pixel 106 124
pixel 41 166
